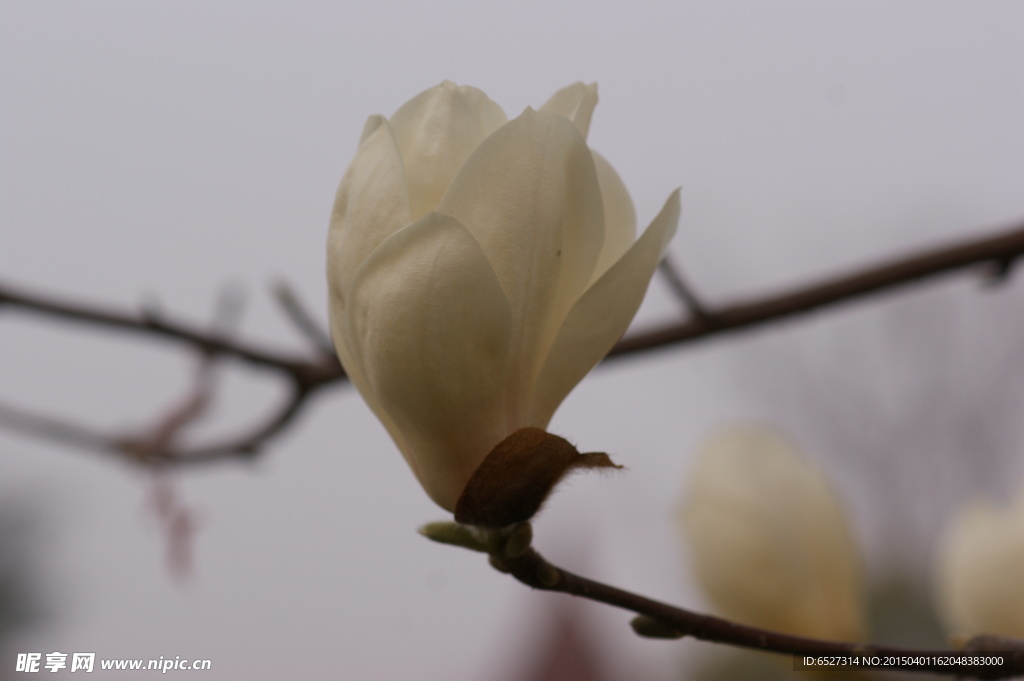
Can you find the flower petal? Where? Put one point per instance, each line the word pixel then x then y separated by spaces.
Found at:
pixel 619 216
pixel 602 315
pixel 354 370
pixel 371 204
pixel 430 327
pixel 437 131
pixel 530 197
pixel 576 102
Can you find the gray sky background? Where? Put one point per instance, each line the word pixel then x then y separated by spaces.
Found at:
pixel 152 152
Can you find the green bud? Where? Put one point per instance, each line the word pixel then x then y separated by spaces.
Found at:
pixel 447 532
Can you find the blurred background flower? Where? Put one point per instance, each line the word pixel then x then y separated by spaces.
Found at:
pixel 980 571
pixel 770 543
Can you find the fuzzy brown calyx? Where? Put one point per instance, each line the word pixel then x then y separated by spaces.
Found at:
pixel 516 477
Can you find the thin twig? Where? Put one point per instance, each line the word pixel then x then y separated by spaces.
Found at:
pixel 252 441
pixel 683 292
pixel 157 325
pixel 28 422
pixel 303 320
pixel 158 441
pixel 157 445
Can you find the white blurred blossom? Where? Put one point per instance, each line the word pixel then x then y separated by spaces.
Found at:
pixel 769 541
pixel 981 569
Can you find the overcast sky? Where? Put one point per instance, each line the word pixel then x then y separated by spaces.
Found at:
pixel 154 152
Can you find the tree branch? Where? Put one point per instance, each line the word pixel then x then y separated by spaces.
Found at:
pixel 1000 252
pixel 307 374
pixel 158 326
pixel 530 568
pixel 157 445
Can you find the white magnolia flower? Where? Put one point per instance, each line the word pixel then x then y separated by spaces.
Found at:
pixel 981 570
pixel 478 269
pixel 769 541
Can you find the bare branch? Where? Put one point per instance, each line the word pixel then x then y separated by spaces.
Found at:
pixel 157 443
pixel 999 252
pixel 530 568
pixel 249 443
pixel 156 446
pixel 158 326
pixel 306 375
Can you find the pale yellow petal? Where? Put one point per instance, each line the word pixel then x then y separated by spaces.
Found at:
pixel 530 197
pixel 437 131
pixel 602 315
pixel 576 102
pixel 430 327
pixel 371 204
pixel 619 216
pixel 356 374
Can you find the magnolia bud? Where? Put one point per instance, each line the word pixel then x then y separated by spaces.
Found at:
pixel 478 269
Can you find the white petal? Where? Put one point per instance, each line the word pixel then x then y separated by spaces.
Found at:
pixel 619 216
pixel 530 197
pixel 576 102
pixel 437 131
pixel 370 127
pixel 430 327
pixel 602 315
pixel 354 370
pixel 371 204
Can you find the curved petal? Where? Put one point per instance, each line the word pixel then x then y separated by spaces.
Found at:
pixel 429 325
pixel 355 373
pixel 619 216
pixel 437 130
pixel 371 204
pixel 530 197
pixel 576 102
pixel 601 316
